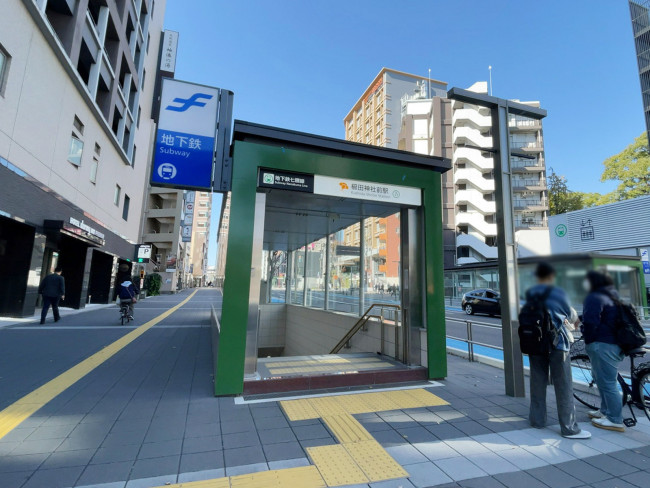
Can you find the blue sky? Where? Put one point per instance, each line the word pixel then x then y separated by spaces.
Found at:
pixel 302 64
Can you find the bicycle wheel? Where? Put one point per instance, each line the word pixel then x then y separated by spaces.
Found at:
pixel 122 317
pixel 584 388
pixel 644 391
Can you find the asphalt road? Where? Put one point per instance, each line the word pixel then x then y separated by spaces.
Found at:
pixel 457 327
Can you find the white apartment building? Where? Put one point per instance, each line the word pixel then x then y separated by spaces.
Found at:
pixel 76 89
pixel 459 130
pixel 200 234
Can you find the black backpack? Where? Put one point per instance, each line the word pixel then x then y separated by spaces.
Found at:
pixel 537 334
pixel 629 331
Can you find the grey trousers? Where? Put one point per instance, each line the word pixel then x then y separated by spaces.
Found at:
pixel 559 365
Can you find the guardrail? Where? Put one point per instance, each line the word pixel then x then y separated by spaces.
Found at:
pixel 469 340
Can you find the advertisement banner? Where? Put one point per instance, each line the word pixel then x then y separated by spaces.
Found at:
pixel 645 261
pixel 185 140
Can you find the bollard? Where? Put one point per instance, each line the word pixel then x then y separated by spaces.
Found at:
pixel 470 344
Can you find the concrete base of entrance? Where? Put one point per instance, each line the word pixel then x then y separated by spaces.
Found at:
pixel 303 373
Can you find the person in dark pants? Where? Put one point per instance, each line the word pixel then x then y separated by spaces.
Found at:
pixel 557 363
pixel 53 289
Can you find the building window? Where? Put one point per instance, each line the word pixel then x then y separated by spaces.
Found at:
pixel 137 124
pixel 78 125
pixel 135 149
pixel 75 151
pixel 462 208
pixel 4 69
pixel 125 209
pixel 116 195
pixel 94 166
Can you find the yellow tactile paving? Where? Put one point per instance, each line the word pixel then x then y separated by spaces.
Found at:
pixel 404 400
pixel 19 411
pixel 299 409
pixel 214 483
pixel 346 429
pixel 374 461
pixel 353 404
pixel 336 465
pixel 303 477
pixel 379 402
pixel 426 397
pixel 327 406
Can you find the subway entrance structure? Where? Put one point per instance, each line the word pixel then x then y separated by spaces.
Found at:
pixel 334 267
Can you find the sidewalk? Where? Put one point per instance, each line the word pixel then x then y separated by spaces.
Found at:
pixel 147 418
pixel 63 311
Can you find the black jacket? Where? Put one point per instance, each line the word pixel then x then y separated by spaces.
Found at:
pixel 599 316
pixel 52 286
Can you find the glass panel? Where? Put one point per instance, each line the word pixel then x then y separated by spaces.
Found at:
pixel 76 148
pixel 274 270
pixel 382 260
pixel 344 270
pixel 315 273
pixel 297 276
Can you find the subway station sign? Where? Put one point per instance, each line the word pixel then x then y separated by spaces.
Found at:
pixel 284 180
pixel 185 140
pixel 367 190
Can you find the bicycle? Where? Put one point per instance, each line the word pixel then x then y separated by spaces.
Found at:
pixel 125 315
pixel 636 389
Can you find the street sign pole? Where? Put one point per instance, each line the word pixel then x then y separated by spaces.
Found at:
pixel 506 245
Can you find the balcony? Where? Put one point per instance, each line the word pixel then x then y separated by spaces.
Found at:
pixel 526 185
pixel 530 146
pixel 531 205
pixel 158 238
pixel 523 125
pixel 521 224
pixel 162 214
pixel 527 166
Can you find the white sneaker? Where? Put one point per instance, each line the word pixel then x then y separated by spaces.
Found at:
pixel 607 425
pixel 594 414
pixel 583 434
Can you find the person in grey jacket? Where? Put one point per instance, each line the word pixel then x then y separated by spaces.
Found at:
pixel 558 362
pixel 598 326
pixel 53 289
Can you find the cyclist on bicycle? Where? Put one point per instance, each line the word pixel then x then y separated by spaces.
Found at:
pixel 128 294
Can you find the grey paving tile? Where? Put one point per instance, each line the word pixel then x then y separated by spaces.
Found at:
pixel 160 449
pixel 406 454
pixel 317 442
pixel 640 479
pixel 417 434
pixel 610 465
pixel 24 462
pixel 54 478
pixel 388 438
pixel 519 479
pixel 66 459
pixel 632 458
pixel 147 468
pixel 105 455
pixel 436 450
pixel 459 468
pixel 202 444
pixel 203 430
pixel 151 481
pixel 426 474
pixel 79 443
pixel 275 436
pixel 123 438
pixel 105 473
pixel 553 476
pixel 522 458
pixel 37 446
pixel 244 455
pixel 6 448
pixel 492 464
pixel 201 461
pixel 51 432
pixel 494 442
pixel 613 483
pixel 445 431
pixel 585 472
pixel 243 439
pixel 237 426
pixel 400 483
pixel 18 435
pixel 208 474
pixel 247 469
pixel 486 482
pixel 472 428
pixel 270 423
pixel 467 446
pixel 289 463
pixel 316 431
pixel 285 450
pixel 15 480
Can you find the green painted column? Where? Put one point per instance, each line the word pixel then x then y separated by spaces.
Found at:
pixel 229 367
pixel 435 273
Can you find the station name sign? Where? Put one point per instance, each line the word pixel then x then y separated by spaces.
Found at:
pixel 284 180
pixel 339 187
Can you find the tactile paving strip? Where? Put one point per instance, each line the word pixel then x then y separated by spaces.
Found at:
pixel 299 409
pixel 374 461
pixel 327 406
pixel 303 477
pixel 336 465
pixel 346 429
pixel 214 483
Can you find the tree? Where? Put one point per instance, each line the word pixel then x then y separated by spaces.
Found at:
pixel 560 198
pixel 631 168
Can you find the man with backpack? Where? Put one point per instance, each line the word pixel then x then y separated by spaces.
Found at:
pixel 545 337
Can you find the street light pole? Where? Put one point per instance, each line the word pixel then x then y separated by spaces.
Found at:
pixel 506 245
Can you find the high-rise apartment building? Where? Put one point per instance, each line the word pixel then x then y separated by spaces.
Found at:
pixel 200 234
pixel 76 90
pixel 222 241
pixel 459 130
pixel 640 14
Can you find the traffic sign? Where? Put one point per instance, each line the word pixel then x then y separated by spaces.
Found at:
pixel 143 253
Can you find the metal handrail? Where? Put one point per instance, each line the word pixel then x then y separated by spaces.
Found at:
pixel 359 324
pixel 469 339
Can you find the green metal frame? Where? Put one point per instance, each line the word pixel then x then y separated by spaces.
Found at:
pixel 626 262
pixel 247 158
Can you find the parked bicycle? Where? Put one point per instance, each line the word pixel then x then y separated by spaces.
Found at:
pixel 635 389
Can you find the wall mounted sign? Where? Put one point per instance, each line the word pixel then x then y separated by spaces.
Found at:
pixel 367 190
pixel 284 180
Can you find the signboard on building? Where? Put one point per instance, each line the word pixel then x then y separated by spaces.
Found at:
pixel 169 49
pixel 143 253
pixel 170 264
pixel 283 180
pixel 367 190
pixel 645 260
pixel 185 140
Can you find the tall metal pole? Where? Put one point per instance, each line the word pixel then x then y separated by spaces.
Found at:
pixel 490 69
pixel 362 266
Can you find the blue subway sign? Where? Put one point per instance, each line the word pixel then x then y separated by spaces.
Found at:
pixel 185 140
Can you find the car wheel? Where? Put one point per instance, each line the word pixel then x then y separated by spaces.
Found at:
pixel 469 310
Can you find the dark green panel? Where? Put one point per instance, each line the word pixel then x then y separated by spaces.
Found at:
pixel 247 158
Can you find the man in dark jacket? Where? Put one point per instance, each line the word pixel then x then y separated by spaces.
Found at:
pixel 53 289
pixel 128 295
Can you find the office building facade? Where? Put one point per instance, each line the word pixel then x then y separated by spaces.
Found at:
pixel 76 87
pixel 200 234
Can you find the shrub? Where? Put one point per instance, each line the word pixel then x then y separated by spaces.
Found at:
pixel 152 283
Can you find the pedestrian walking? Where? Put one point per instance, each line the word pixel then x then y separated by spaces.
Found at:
pixel 599 314
pixel 52 288
pixel 556 309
